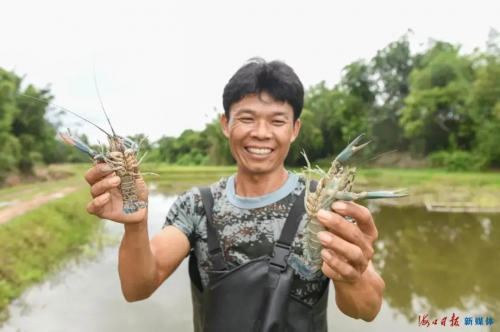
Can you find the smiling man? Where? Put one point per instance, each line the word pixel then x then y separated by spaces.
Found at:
pixel 242 232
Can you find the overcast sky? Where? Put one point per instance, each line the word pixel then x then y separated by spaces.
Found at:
pixel 162 65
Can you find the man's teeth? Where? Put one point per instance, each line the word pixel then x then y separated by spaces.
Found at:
pixel 259 151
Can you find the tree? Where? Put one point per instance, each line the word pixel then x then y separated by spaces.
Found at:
pixel 323 102
pixel 165 149
pixel 219 151
pixel 9 144
pixel 26 136
pixel 34 132
pixel 435 116
pixel 391 69
pixel 484 104
pixel 309 139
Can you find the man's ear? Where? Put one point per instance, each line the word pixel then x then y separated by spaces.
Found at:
pixel 224 122
pixel 296 129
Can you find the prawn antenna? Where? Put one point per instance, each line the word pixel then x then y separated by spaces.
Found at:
pixel 100 100
pixel 380 155
pixel 64 109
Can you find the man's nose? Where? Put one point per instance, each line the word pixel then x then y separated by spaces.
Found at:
pixel 261 131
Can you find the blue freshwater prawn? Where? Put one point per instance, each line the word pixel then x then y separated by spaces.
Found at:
pixel 120 156
pixel 336 184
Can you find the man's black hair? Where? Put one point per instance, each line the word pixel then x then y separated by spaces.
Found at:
pixel 257 76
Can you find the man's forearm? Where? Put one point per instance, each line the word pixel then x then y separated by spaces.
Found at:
pixel 137 267
pixel 363 299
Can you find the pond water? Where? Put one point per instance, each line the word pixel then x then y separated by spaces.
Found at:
pixel 432 263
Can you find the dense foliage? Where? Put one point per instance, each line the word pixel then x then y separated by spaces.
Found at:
pixel 26 136
pixel 439 103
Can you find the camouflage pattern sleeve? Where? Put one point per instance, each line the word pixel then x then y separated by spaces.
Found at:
pixel 181 215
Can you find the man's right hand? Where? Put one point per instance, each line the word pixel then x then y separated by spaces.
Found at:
pixel 144 264
pixel 108 201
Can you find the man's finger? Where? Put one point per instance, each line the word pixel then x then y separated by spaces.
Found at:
pixel 105 185
pixel 336 268
pixel 340 226
pixel 96 206
pixel 362 215
pixel 96 173
pixel 341 247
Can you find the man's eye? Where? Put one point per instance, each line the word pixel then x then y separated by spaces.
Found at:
pixel 278 122
pixel 246 119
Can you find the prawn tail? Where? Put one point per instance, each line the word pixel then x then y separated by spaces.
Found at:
pixel 130 207
pixel 128 189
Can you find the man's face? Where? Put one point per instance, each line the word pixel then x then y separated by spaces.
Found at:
pixel 260 131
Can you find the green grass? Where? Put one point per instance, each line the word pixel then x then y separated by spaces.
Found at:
pixel 430 185
pixel 70 175
pixel 176 179
pixel 38 242
pixel 419 176
pixel 425 184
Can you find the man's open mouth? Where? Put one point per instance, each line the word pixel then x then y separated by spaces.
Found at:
pixel 259 151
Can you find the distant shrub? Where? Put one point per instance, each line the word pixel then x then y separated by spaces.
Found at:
pixel 456 160
pixel 193 158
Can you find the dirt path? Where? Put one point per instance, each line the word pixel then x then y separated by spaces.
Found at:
pixel 8 213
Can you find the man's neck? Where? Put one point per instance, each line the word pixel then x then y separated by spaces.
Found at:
pixel 254 185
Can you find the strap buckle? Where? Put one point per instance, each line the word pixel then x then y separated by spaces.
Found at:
pixel 217 259
pixel 280 255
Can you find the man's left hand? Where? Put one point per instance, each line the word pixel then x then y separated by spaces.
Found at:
pixel 348 247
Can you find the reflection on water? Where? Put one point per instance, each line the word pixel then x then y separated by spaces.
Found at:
pixel 437 264
pixel 446 260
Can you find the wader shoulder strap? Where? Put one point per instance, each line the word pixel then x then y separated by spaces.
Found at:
pixel 214 250
pixel 284 244
pixel 298 209
pixel 276 297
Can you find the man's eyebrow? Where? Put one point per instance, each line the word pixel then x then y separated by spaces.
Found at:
pixel 253 112
pixel 283 113
pixel 245 110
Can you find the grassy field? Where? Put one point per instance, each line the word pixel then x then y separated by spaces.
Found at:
pixel 57 177
pixel 39 241
pixel 425 184
pixel 428 185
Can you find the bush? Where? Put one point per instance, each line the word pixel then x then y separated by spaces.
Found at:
pixel 193 158
pixel 456 160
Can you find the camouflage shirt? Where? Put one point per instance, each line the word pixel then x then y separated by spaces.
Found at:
pixel 247 228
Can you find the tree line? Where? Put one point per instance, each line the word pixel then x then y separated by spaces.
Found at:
pixel 27 137
pixel 439 103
